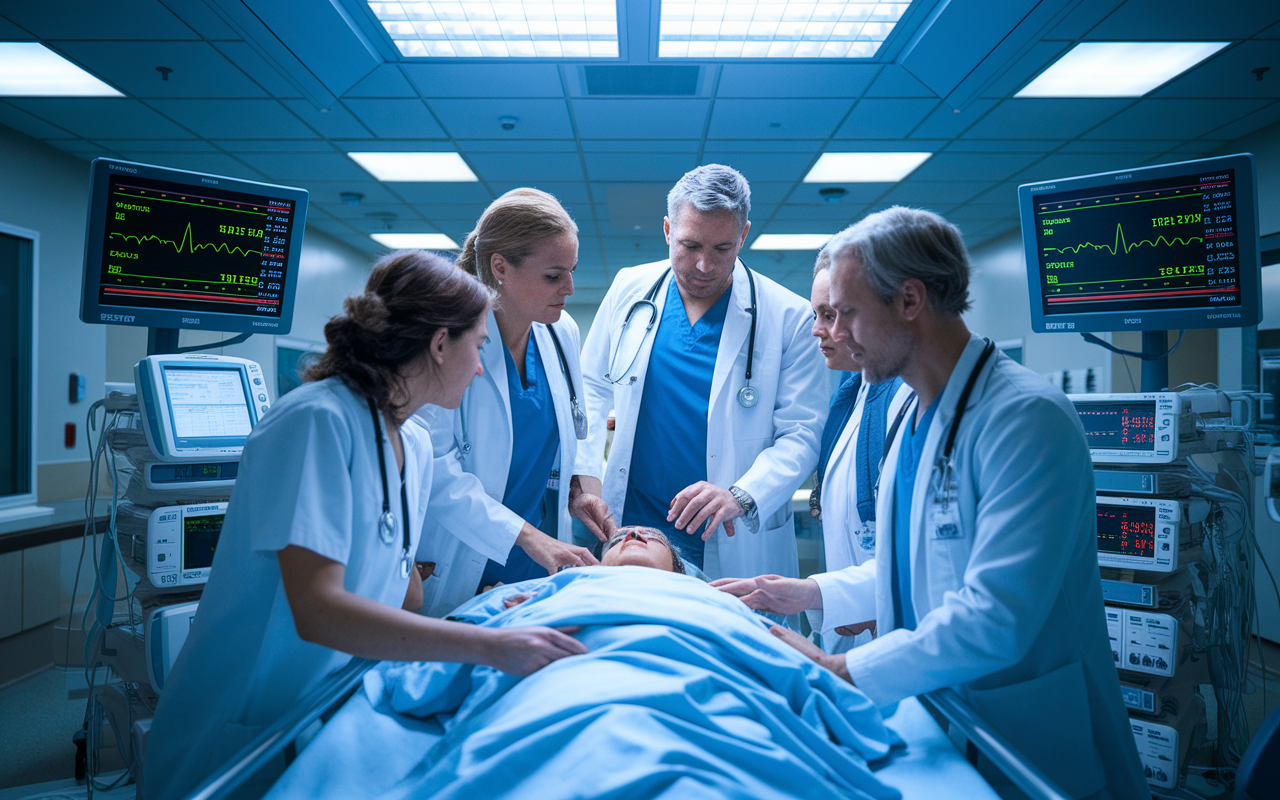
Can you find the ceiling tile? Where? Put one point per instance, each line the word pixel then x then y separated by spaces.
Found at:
pixel 305 166
pixel 111 118
pixel 945 123
pixel 198 70
pixel 414 193
pixel 329 191
pixel 212 163
pixel 478 119
pixel 396 119
pixel 1083 18
pixel 1183 119
pixel 894 81
pixel 12 33
pixel 1002 146
pixel 641 146
pixel 1230 74
pixel 1183 20
pixel 1039 56
pixel 658 167
pixel 485 80
pixel 342 211
pixel 518 146
pixel 275 145
pixel 1069 165
pixel 825 212
pixel 29 124
pixel 202 19
pixel 794 80
pixel 934 193
pixel 247 59
pixel 385 81
pixel 1248 124
pixel 1102 146
pixel 1199 146
pixel 159 145
pixel 235 119
pixel 646 119
pixel 129 20
pixel 777 225
pixel 766 192
pixel 987 167
pixel 855 193
pixel 454 211
pixel 76 146
pixel 526 166
pixel 1034 118
pixel 874 118
pixel 776 119
pixel 789 167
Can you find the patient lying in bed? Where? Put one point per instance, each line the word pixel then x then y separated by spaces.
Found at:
pixel 683 693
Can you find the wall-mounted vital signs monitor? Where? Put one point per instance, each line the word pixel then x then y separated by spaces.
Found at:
pixel 1153 248
pixel 168 248
pixel 198 407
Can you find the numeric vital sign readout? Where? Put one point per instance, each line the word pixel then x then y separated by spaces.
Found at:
pixel 1126 530
pixel 1157 245
pixel 1119 426
pixel 195 249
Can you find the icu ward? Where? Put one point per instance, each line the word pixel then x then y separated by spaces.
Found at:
pixel 640 400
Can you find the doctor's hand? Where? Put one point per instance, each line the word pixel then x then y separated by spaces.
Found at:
pixel 774 593
pixel 835 663
pixel 552 554
pixel 588 507
pixel 701 502
pixel 524 651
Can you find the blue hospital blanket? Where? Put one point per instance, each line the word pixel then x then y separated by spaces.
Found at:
pixel 684 694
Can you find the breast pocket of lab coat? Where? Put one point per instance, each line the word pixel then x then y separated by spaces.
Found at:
pixel 949 541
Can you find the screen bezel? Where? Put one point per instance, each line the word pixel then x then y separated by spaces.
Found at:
pixel 1250 309
pixel 189 442
pixel 1110 502
pixel 93 312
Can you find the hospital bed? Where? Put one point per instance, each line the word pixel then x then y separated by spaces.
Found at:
pixel 360 740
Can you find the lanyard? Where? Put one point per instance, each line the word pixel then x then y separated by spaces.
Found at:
pixel 387 521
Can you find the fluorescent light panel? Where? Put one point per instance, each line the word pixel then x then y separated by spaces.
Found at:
pixel 415 241
pixel 416 167
pixel 29 69
pixel 1118 69
pixel 790 241
pixel 759 29
pixel 864 167
pixel 483 29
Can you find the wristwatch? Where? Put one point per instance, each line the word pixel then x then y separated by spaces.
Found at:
pixel 750 514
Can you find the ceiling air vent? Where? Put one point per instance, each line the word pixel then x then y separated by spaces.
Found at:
pixel 665 81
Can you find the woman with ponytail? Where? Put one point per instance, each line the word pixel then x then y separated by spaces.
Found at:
pixel 505 457
pixel 314 562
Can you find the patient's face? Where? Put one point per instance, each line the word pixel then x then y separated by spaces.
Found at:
pixel 641 547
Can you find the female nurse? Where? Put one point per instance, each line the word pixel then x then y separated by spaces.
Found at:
pixel 511 444
pixel 312 566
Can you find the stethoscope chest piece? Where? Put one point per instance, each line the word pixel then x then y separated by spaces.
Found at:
pixel 748 396
pixel 406 564
pixel 387 527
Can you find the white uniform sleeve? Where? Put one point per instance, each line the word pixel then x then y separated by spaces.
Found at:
pixel 1031 466
pixel 458 502
pixel 799 413
pixel 848 597
pixel 304 455
pixel 596 389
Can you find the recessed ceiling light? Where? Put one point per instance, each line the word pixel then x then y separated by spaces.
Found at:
pixel 1117 69
pixel 416 167
pixel 772 29
pixel 790 241
pixel 864 167
pixel 29 69
pixel 510 29
pixel 416 241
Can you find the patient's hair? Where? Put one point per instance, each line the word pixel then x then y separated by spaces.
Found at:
pixel 677 563
pixel 410 295
pixel 513 225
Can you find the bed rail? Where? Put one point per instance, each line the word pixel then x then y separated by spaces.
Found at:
pixel 1003 756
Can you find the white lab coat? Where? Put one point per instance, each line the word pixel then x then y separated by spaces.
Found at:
pixel 766 450
pixel 841 524
pixel 308 477
pixel 466 493
pixel 1010 611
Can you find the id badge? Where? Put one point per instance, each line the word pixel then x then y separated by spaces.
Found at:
pixel 944 519
pixel 867 536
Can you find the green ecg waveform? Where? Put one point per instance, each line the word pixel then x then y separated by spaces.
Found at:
pixel 189 242
pixel 1122 244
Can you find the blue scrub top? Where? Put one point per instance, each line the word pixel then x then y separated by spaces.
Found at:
pixel 671 427
pixel 535 445
pixel 904 485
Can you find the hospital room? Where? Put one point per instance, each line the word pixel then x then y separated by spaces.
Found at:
pixel 639 399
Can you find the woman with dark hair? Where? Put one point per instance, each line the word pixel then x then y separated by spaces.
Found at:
pixel 314 561
pixel 504 472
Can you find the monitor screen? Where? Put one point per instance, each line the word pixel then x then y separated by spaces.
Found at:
pixel 199 540
pixel 175 249
pixel 1127 530
pixel 1146 249
pixel 207 403
pixel 1119 426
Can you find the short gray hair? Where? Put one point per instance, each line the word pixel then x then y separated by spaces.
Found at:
pixel 712 187
pixel 898 244
pixel 822 262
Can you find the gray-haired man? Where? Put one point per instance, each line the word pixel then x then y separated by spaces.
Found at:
pixel 718 389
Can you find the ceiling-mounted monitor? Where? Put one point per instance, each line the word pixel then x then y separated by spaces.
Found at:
pixel 1153 248
pixel 169 248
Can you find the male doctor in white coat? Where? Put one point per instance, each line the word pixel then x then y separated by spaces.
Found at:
pixel 701 451
pixel 986 577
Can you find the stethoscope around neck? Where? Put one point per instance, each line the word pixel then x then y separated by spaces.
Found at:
pixel 387 520
pixel 748 395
